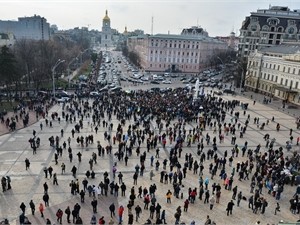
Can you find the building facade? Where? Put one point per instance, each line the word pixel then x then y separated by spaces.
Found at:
pixel 175 53
pixel 7 39
pixel 33 28
pixel 231 40
pixel 275 71
pixel 106 34
pixel 268 27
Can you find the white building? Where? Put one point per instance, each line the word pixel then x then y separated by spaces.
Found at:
pixel 34 28
pixel 189 52
pixel 106 34
pixel 7 39
pixel 275 71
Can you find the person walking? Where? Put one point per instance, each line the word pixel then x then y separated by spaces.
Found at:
pixel 138 211
pixel 186 205
pixel 46 199
pixel 112 209
pixel 169 195
pixel 93 220
pixel 120 214
pixel 94 203
pixel 32 207
pixel 27 164
pixel 59 215
pixel 41 209
pixel 68 213
pixel 23 207
pixel 229 207
pixel 55 179
pixel 212 202
pixel 277 209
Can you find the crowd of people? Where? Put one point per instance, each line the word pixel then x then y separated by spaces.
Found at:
pixel 175 137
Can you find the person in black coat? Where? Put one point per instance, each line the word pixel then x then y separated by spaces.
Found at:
pixel 229 207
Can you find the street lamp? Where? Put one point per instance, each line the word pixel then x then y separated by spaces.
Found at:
pixel 69 70
pixel 242 76
pixel 222 77
pixel 81 53
pixel 53 73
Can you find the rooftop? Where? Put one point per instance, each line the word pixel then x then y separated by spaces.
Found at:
pixel 283 49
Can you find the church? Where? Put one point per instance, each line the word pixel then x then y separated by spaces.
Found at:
pixel 106 34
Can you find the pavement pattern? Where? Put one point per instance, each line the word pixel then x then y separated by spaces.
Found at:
pixel 28 184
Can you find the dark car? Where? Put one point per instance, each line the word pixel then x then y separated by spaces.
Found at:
pixel 154 82
pixel 228 91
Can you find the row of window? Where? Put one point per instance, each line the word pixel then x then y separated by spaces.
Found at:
pixel 174 45
pixel 173 60
pixel 274 78
pixel 178 53
pixel 284 68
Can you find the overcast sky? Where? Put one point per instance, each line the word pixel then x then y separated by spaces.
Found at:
pixel 218 17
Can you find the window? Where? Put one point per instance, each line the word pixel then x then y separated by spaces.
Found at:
pixel 294 70
pixel 286 82
pixel 278 67
pixel 276 78
pixel 284 69
pixel 296 85
pixel 281 81
pixel 272 78
pixel 291 84
pixel 289 70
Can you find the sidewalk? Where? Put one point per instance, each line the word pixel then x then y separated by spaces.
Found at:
pixel 275 103
pixel 19 124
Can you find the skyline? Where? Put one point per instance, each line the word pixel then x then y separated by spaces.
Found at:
pixel 217 17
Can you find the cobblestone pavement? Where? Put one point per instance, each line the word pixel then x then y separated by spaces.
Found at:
pixel 28 184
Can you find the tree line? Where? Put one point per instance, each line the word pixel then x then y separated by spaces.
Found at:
pixel 28 63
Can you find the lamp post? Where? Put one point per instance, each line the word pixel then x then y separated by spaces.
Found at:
pixel 223 66
pixel 242 76
pixel 69 70
pixel 53 73
pixel 81 53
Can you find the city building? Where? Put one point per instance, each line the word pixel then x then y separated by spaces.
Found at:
pixel 7 39
pixel 33 28
pixel 106 34
pixel 275 71
pixel 189 52
pixel 268 27
pixel 231 40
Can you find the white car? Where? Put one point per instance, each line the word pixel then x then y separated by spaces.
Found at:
pixel 63 99
pixel 167 82
pixel 94 94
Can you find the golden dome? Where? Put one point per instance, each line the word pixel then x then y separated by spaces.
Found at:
pixel 106 18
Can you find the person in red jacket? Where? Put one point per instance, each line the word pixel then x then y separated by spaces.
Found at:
pixel 101 220
pixel 120 213
pixel 59 215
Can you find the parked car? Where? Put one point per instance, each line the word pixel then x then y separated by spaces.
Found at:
pixel 218 92
pixel 228 91
pixel 167 82
pixel 94 94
